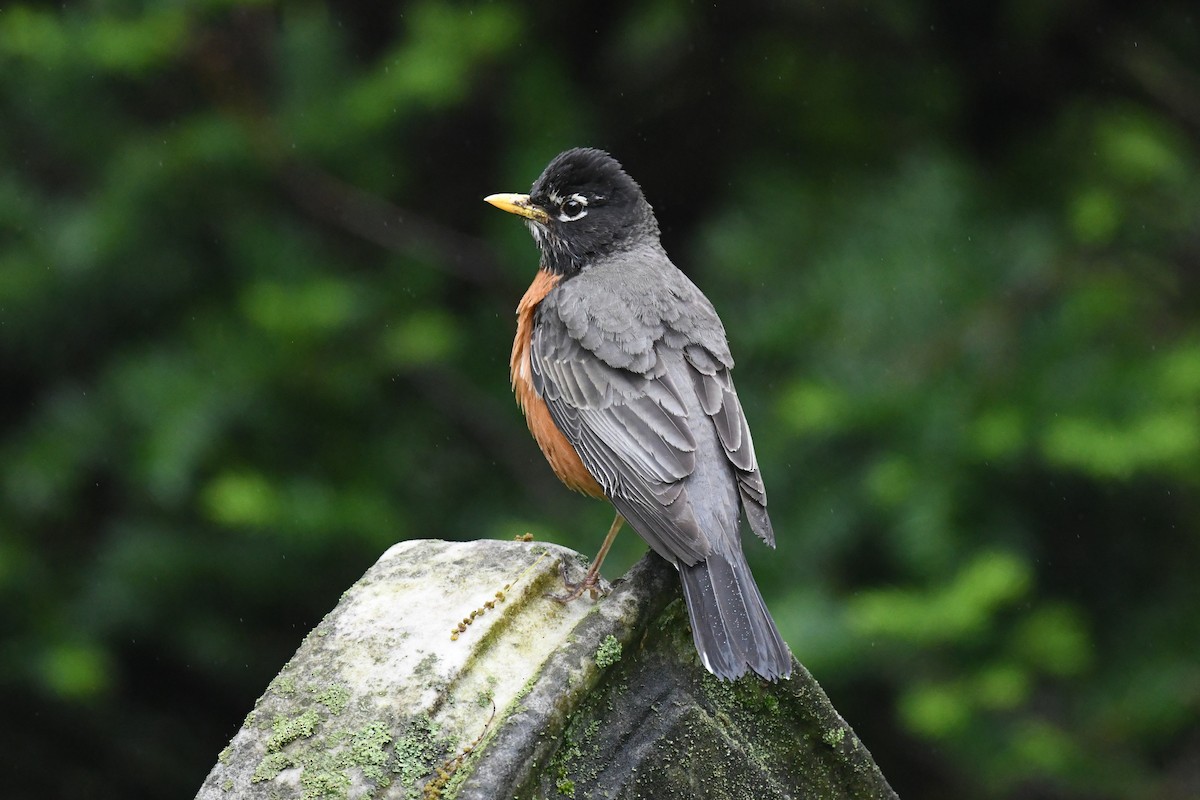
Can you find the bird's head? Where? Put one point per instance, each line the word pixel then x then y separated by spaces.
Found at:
pixel 583 207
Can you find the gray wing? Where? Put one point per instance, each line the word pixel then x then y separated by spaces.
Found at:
pixel 720 402
pixel 631 432
pixel 618 385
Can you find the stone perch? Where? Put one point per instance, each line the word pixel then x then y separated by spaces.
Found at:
pixel 393 695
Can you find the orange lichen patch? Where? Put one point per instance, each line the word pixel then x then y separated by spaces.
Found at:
pixel 558 451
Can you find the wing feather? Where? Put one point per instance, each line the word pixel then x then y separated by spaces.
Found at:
pixel 631 432
pixel 615 390
pixel 719 399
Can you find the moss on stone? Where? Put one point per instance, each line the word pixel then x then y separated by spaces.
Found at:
pixel 461 772
pixel 754 695
pixel 560 765
pixel 608 653
pixel 834 736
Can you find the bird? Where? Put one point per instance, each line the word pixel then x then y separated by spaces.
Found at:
pixel 622 369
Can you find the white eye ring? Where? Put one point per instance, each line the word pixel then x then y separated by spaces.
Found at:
pixel 573 208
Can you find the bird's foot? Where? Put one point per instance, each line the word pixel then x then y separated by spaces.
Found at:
pixel 590 584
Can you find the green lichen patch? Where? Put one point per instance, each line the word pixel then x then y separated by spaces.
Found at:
pixel 485 698
pixel 328 783
pixel 288 729
pixel 335 698
pixel 330 760
pixel 608 653
pixel 368 751
pixel 418 750
pixel 426 668
pixel 271 765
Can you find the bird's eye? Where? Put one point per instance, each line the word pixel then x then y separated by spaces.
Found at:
pixel 573 208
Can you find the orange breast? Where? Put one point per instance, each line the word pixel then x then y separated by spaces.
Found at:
pixel 558 451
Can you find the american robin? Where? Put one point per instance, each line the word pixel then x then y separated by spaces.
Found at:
pixel 621 367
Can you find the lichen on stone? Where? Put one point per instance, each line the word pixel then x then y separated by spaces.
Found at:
pixel 368 751
pixel 335 698
pixel 417 750
pixel 271 765
pixel 288 729
pixel 325 784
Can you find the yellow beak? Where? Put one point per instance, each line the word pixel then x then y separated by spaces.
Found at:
pixel 518 204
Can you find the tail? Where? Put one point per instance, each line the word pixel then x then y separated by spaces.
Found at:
pixel 733 630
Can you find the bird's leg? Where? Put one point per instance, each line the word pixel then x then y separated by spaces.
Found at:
pixel 592 578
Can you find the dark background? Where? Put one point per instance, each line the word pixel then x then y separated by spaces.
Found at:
pixel 255 322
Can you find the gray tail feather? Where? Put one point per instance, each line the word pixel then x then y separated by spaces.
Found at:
pixel 733 630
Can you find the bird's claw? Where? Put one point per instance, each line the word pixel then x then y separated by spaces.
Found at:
pixel 589 584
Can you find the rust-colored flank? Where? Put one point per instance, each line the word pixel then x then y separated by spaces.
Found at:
pixel 558 451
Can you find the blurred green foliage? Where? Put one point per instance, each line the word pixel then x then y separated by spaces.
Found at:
pixel 254 327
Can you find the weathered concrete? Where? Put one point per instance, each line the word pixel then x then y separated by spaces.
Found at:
pixel 533 699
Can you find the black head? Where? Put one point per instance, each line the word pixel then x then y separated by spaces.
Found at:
pixel 584 206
